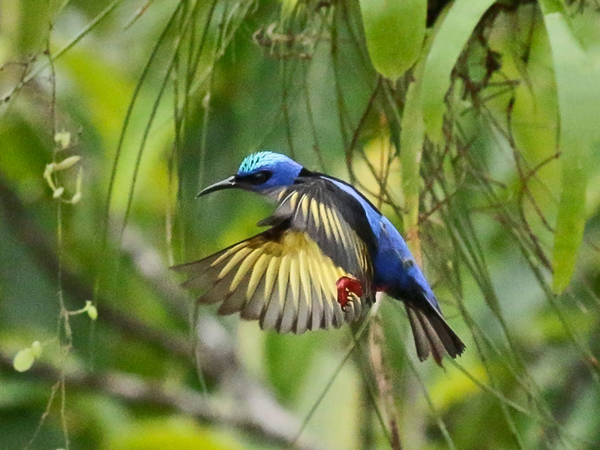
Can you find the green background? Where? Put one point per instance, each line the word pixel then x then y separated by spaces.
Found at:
pixel 484 151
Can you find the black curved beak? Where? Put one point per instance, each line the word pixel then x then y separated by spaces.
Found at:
pixel 225 184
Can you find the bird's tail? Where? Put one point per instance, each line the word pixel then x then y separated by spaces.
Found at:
pixel 433 336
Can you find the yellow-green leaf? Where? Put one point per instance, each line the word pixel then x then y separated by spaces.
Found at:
pixel 578 88
pixel 453 35
pixel 36 349
pixel 23 360
pixel 411 143
pixel 91 310
pixel 395 30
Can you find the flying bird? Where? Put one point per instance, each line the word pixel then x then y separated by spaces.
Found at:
pixel 326 253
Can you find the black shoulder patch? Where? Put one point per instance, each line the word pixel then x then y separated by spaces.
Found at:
pixel 305 173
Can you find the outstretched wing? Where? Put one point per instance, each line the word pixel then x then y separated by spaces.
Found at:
pixel 280 278
pixel 334 220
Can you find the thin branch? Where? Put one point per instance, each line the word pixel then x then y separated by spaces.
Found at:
pixel 258 416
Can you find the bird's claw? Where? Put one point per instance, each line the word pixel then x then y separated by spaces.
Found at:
pixel 345 286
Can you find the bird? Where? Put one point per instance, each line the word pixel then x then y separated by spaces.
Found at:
pixel 326 252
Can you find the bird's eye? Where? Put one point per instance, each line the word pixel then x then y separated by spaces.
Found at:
pixel 258 178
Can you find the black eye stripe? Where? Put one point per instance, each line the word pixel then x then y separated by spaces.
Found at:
pixel 255 179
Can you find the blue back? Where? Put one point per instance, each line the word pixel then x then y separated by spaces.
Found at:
pixel 396 271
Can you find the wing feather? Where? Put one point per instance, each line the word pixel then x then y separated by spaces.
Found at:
pixel 317 319
pixel 260 266
pixel 304 300
pixel 253 310
pixel 234 301
pixel 219 292
pixel 246 264
pixel 291 299
pixel 235 259
pixel 324 217
pixel 255 303
pixel 270 317
pixel 271 277
pixel 280 277
pixel 334 220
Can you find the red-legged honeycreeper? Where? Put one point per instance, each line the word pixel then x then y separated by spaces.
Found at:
pixel 327 252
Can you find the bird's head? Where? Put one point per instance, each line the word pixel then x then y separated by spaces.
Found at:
pixel 263 172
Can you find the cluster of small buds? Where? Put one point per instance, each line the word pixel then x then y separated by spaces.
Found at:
pixel 63 139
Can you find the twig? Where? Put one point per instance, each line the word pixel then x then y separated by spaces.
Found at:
pixel 258 416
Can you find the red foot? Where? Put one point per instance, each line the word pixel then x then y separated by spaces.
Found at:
pixel 345 285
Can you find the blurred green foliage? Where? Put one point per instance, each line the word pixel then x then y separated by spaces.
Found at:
pixel 485 151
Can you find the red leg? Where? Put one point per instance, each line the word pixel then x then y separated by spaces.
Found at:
pixel 345 285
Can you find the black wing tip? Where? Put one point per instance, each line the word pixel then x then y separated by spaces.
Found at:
pixel 192 265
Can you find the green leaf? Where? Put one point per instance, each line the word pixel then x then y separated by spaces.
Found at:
pixel 411 143
pixel 91 310
pixel 395 30
pixel 24 360
pixel 453 35
pixel 36 349
pixel 578 90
